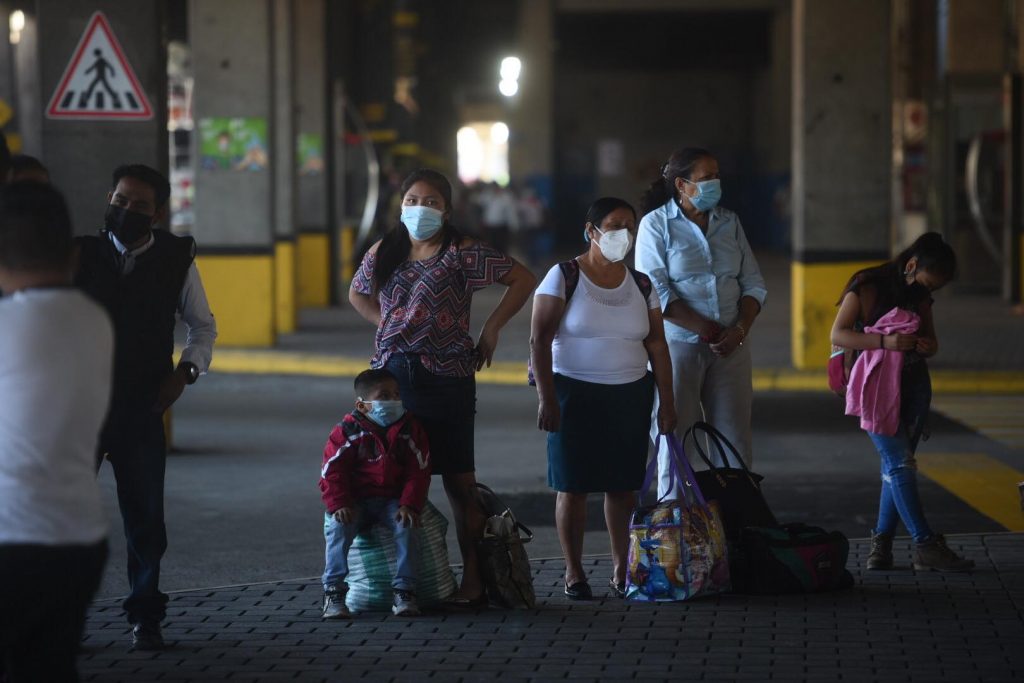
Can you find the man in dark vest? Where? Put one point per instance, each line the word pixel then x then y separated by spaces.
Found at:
pixel 143 276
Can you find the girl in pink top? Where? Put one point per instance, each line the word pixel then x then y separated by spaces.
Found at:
pixel 904 284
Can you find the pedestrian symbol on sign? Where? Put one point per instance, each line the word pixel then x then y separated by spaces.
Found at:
pixel 98 82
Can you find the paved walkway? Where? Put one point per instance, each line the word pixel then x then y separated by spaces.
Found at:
pixel 892 626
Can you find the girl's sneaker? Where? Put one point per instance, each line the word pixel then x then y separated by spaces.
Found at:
pixel 935 555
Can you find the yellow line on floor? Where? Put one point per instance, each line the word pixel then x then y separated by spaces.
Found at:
pixel 514 372
pixel 986 484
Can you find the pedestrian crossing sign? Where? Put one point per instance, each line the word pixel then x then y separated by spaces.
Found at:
pixel 99 83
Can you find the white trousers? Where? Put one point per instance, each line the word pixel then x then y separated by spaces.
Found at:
pixel 710 389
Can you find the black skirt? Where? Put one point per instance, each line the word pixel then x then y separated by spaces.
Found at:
pixel 603 440
pixel 445 406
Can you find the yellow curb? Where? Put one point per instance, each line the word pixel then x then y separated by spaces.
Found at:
pixel 513 373
pixel 986 484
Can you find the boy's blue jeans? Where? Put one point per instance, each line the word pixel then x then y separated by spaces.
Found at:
pixel 369 512
pixel 900 498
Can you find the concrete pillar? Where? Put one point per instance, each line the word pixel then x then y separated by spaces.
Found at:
pixel 976 41
pixel 284 167
pixel 233 65
pixel 531 142
pixel 81 154
pixel 842 148
pixel 313 243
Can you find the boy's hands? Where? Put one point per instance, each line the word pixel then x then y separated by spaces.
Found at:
pixel 344 515
pixel 407 516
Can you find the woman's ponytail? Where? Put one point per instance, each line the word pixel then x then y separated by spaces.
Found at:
pixel 679 165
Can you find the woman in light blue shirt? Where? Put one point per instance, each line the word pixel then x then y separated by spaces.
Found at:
pixel 711 290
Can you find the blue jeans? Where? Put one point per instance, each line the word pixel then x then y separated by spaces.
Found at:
pixel 137 452
pixel 369 512
pixel 900 498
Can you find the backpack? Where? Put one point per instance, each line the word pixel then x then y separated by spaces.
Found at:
pixel 571 272
pixel 504 563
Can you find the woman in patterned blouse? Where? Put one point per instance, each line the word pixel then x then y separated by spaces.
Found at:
pixel 416 285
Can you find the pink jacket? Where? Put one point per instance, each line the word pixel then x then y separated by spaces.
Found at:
pixel 874 389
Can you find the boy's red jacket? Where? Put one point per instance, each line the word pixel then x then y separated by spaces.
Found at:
pixel 364 460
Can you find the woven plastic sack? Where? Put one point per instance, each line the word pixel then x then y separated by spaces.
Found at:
pixel 372 565
pixel 677 548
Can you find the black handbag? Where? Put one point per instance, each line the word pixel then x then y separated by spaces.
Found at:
pixel 737 489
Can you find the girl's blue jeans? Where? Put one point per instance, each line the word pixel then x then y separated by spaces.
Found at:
pixel 900 498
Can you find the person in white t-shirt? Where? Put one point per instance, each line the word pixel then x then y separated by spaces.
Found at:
pixel 56 364
pixel 590 358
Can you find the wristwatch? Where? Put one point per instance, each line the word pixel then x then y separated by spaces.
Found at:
pixel 191 370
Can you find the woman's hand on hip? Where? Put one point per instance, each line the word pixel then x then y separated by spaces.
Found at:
pixel 549 415
pixel 667 418
pixel 485 346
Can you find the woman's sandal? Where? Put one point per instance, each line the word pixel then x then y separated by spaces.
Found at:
pixel 579 591
pixel 618 589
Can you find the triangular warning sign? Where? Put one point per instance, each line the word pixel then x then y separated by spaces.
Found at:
pixel 99 83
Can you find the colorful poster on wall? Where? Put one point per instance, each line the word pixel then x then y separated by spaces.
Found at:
pixel 309 153
pixel 233 144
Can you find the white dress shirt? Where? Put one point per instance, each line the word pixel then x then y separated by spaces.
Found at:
pixel 193 308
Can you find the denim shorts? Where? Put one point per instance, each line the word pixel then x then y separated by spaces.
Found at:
pixel 446 406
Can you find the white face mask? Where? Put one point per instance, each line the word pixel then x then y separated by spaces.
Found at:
pixel 615 244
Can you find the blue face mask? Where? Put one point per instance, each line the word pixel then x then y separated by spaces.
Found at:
pixel 385 413
pixel 709 193
pixel 422 222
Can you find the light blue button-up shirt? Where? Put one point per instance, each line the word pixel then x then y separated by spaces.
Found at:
pixel 710 274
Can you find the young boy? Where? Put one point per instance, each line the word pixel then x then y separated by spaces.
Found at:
pixel 376 470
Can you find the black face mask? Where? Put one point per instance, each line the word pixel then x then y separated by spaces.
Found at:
pixel 128 226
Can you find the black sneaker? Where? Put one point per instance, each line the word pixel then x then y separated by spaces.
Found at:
pixel 146 636
pixel 334 604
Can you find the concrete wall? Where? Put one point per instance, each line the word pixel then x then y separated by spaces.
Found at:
pixel 842 158
pixel 82 154
pixel 310 106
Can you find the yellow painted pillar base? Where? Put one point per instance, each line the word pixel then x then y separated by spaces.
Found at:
pixel 347 253
pixel 285 286
pixel 816 288
pixel 314 270
pixel 240 288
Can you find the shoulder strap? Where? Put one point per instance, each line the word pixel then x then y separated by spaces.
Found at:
pixel 643 282
pixel 571 272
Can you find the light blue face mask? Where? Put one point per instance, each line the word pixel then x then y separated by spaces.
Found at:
pixel 709 193
pixel 422 222
pixel 385 413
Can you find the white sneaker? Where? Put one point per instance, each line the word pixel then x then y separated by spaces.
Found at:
pixel 334 605
pixel 405 604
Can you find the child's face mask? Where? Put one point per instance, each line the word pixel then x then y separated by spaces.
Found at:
pixel 384 413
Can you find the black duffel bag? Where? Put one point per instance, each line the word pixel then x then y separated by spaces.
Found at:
pixel 737 489
pixel 792 558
